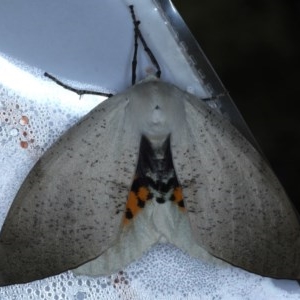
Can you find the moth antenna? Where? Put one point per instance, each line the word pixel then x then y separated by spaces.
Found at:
pixel 134 60
pixel 79 92
pixel 138 34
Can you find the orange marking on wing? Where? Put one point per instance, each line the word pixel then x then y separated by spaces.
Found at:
pixel 132 205
pixel 178 197
pixel 132 202
pixel 143 193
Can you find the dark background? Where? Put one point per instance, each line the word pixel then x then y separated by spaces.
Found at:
pixel 254 46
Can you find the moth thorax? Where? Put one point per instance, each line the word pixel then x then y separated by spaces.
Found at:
pixel 156 125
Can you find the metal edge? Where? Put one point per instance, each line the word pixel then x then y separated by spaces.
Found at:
pixel 205 70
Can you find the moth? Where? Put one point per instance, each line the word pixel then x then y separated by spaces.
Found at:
pixel 151 164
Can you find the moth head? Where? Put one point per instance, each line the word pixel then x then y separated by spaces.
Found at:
pixel 156 108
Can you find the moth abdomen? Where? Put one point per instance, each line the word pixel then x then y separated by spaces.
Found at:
pixel 155 179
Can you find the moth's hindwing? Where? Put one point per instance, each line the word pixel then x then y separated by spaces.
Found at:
pixel 155 180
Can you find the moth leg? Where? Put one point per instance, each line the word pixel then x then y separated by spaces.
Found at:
pixel 139 35
pixel 80 92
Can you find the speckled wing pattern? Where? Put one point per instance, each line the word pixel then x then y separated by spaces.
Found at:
pixel 238 210
pixel 70 207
